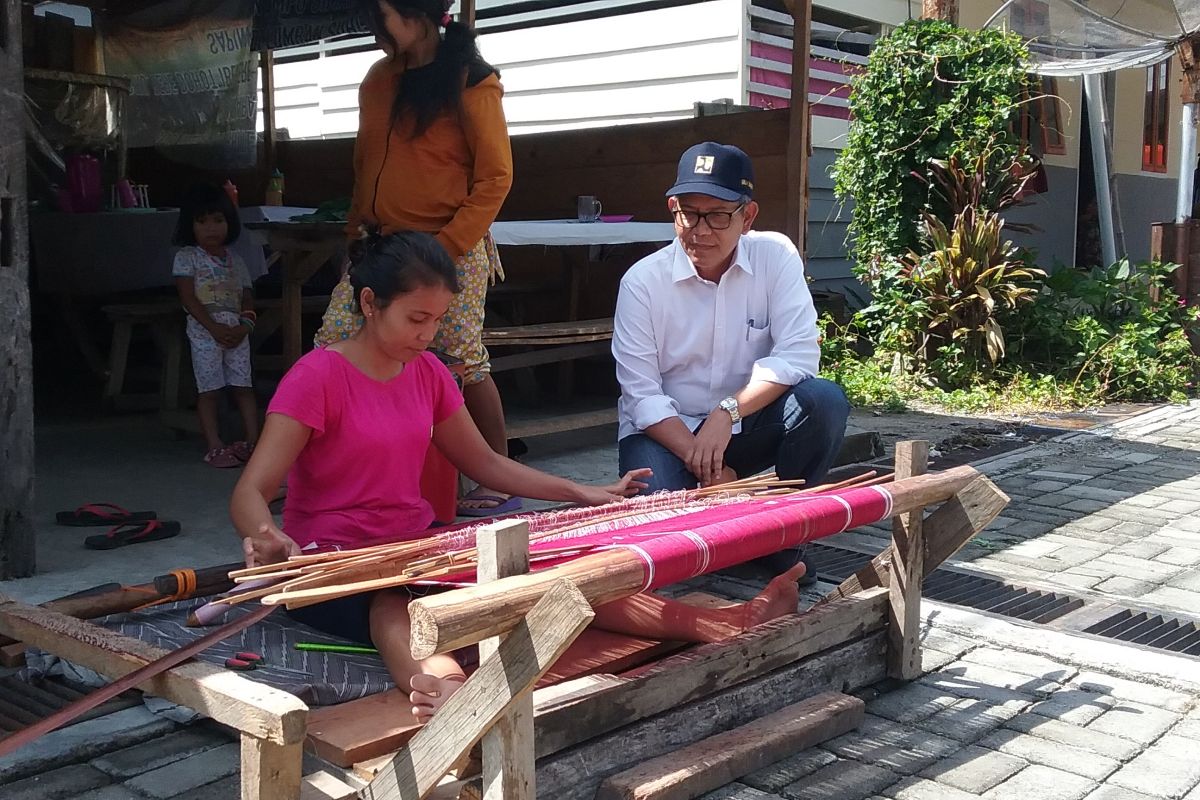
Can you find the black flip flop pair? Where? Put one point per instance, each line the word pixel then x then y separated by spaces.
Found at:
pixel 128 527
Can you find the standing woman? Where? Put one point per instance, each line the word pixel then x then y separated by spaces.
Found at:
pixel 432 155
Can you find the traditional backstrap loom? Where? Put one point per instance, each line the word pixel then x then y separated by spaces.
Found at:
pixel 675 535
pixel 585 557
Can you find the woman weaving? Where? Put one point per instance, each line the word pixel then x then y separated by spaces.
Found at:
pixel 350 426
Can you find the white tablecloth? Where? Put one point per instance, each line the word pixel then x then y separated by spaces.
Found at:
pixel 572 232
pixel 522 232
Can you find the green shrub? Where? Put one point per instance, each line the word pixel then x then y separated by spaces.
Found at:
pixel 1118 332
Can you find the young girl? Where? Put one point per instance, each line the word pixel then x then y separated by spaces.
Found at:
pixel 215 289
pixel 433 155
pixel 350 425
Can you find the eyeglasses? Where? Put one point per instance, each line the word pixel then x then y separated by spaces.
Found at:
pixel 717 220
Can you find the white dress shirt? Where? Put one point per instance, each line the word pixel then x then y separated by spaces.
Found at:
pixel 683 343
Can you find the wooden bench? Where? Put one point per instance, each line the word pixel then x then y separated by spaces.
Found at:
pixel 165 318
pixel 554 342
pixel 549 343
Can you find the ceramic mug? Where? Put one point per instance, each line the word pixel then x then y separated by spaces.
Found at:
pixel 587 208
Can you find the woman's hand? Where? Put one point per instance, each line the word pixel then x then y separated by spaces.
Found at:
pixel 269 546
pixel 630 484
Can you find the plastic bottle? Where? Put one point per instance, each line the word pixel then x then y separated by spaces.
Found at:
pixel 231 189
pixel 275 189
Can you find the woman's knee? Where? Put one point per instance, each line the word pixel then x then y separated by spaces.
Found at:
pixel 389 615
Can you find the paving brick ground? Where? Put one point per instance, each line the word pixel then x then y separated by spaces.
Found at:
pixel 1044 729
pixel 1003 712
pixel 1109 514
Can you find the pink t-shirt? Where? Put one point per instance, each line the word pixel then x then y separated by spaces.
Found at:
pixel 357 481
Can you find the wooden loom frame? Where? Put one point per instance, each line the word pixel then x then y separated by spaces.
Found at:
pixel 865 630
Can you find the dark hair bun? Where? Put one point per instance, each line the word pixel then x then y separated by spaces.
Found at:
pixel 398 263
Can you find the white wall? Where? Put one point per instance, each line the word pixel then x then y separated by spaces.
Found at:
pixel 616 70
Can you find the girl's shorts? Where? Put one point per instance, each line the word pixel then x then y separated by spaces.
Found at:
pixel 216 367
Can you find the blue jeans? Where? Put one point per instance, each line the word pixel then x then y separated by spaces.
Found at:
pixel 799 434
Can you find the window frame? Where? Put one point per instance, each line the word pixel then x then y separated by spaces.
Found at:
pixel 1156 115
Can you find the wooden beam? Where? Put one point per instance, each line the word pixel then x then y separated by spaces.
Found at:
pixel 1188 51
pixel 946 530
pixel 508 769
pixel 524 655
pixel 270 771
pixel 17 545
pixel 225 696
pixel 721 759
pixel 908 570
pixel 270 140
pixel 799 138
pixel 451 620
pixel 707 669
pixel 576 773
pixel 466 13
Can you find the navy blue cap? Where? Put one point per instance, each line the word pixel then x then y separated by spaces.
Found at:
pixel 717 170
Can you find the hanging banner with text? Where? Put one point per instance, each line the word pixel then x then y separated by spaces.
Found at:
pixel 291 23
pixel 193 78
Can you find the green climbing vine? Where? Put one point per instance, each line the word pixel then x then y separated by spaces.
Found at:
pixel 931 90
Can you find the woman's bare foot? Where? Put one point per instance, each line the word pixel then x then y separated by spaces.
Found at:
pixel 429 693
pixel 779 598
pixel 485 502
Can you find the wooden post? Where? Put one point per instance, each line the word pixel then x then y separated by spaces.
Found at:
pixel 267 63
pixel 946 531
pixel 17 555
pixel 526 653
pixel 466 13
pixel 798 127
pixel 508 769
pixel 940 9
pixel 270 771
pixel 908 569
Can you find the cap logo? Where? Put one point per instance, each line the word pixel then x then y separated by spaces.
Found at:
pixel 704 165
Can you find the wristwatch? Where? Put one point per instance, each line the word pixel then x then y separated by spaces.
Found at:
pixel 730 404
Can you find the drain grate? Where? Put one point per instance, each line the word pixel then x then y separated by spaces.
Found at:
pixel 973 591
pixel 24 703
pixel 1152 630
pixel 998 597
pixel 1176 634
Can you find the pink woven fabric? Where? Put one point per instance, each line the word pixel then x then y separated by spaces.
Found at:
pixel 711 539
pixel 677 538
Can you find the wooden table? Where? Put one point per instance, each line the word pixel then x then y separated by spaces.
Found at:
pixel 577 243
pixel 303 248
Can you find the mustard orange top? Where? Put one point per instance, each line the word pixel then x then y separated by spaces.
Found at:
pixel 449 181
